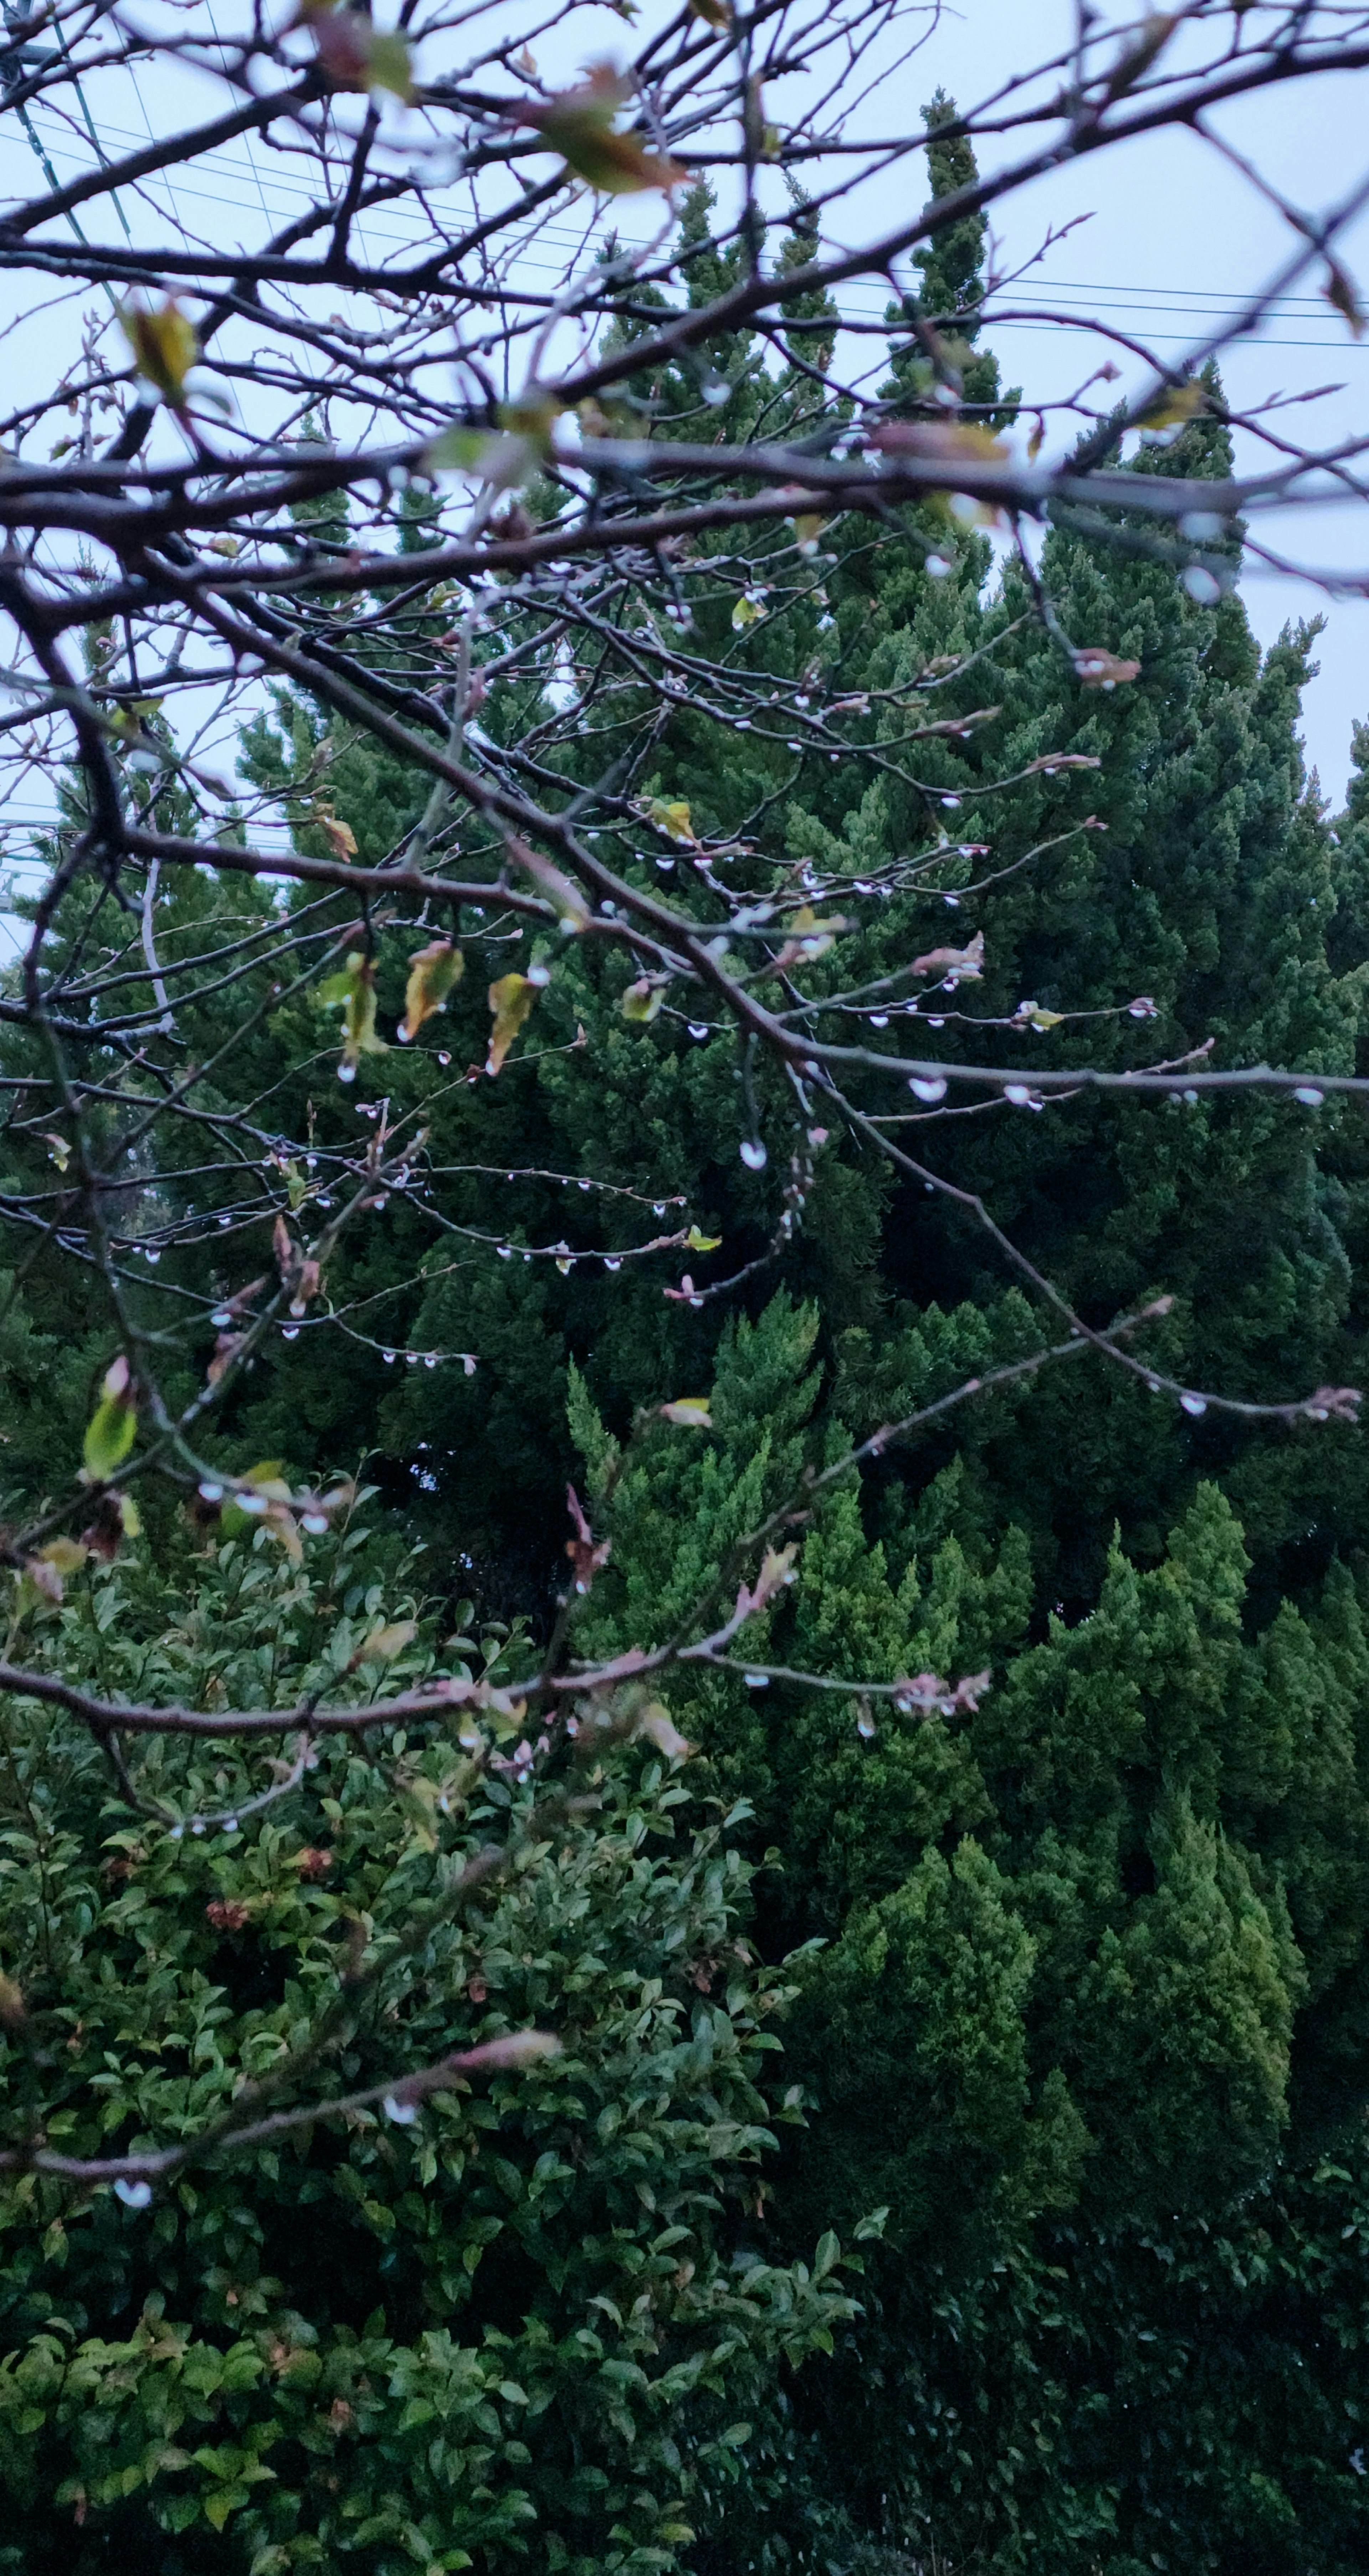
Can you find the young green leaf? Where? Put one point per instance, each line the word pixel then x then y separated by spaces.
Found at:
pixel 112 1428
pixel 353 991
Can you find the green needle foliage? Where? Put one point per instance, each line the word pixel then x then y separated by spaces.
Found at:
pixel 1086 2016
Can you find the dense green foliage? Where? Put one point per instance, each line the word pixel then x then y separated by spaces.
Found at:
pixel 535 2314
pixel 1083 1973
pixel 1089 2019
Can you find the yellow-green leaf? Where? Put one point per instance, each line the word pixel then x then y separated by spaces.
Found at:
pixel 1177 403
pixel 266 1478
pixel 47 1571
pixel 671 816
pixel 656 1722
pixel 747 612
pixel 67 1555
pixel 433 972
pixel 690 1411
pixel 643 999
pixel 164 343
pixel 354 993
pixel 511 999
pixel 389 66
pixel 222 2501
pixel 112 1428
pixel 109 1437
pixel 383 1644
pixel 702 1242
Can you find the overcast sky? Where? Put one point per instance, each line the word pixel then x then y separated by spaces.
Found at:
pixel 1174 239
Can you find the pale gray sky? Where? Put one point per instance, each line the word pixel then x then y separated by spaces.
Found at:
pixel 1174 239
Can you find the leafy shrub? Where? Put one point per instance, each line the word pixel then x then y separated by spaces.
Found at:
pixel 520 2324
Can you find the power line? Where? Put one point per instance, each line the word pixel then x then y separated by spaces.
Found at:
pixel 1195 306
pixel 290 194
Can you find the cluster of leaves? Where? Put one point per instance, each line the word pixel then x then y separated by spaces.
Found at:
pixel 529 2315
